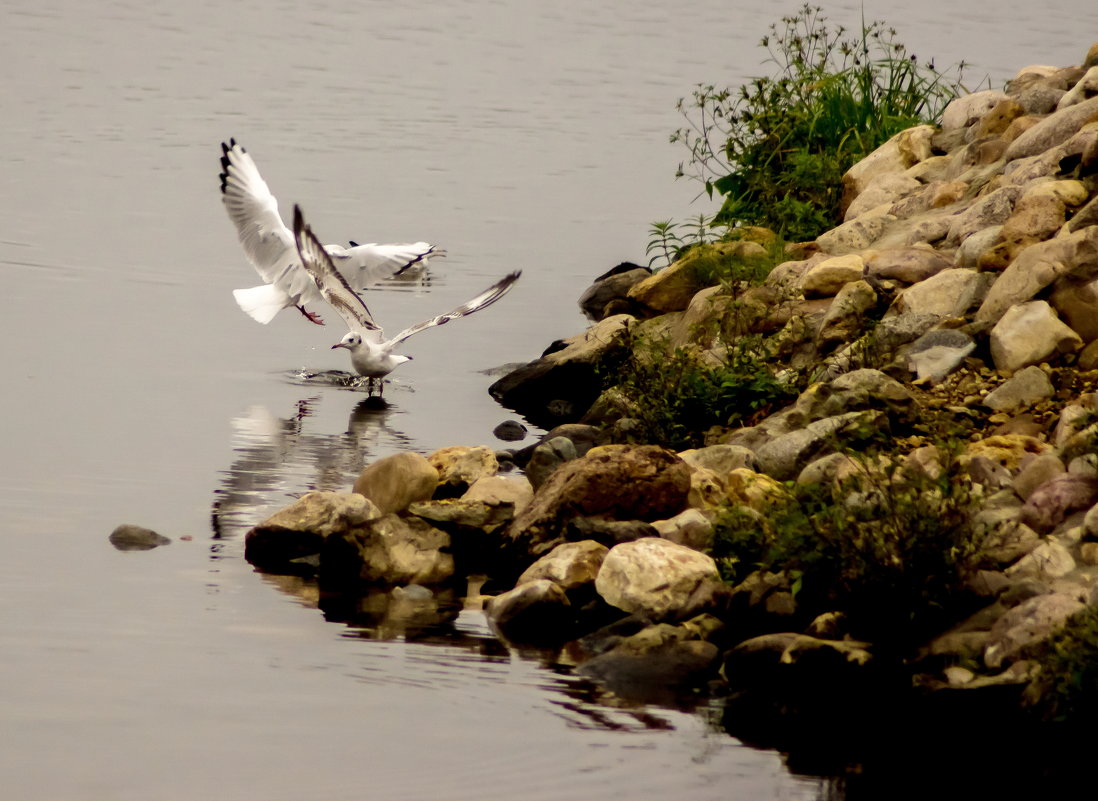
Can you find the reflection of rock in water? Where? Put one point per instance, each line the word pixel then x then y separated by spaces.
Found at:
pixel 280 458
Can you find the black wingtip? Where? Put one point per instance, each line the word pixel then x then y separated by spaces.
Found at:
pixel 352 243
pixel 299 221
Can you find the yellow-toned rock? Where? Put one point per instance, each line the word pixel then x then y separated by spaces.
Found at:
pixel 830 275
pixel 752 489
pixel 1007 450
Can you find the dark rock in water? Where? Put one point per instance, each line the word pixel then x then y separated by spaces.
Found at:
pixel 535 613
pixel 285 541
pixel 562 384
pixel 510 431
pixel 613 285
pixel 547 456
pixel 655 665
pixel 135 538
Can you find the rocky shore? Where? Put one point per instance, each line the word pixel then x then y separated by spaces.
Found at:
pixel 951 321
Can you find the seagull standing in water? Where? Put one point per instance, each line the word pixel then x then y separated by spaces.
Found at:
pixel 271 250
pixel 371 354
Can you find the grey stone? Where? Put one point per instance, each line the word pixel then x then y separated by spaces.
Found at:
pixel 1025 388
pixel 510 431
pixel 1027 624
pixel 546 457
pixel 949 293
pixel 611 287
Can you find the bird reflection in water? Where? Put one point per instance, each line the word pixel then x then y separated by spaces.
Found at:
pixel 279 459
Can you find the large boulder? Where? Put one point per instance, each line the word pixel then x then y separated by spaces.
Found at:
pixel 396 481
pixel 949 293
pixel 459 466
pixel 386 550
pixel 784 456
pixel 500 490
pixel 899 153
pixel 1038 266
pixel 293 534
pixel 562 384
pixel 1030 333
pixel 609 287
pixel 672 287
pixel 1050 503
pixel 1027 624
pixel 909 265
pixel 826 278
pixel 992 209
pixel 1053 130
pixel 659 579
pixel 643 482
pixel 855 235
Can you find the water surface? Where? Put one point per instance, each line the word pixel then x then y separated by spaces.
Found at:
pixel 515 135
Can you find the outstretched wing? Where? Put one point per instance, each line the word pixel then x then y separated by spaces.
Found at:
pixel 481 301
pixel 365 265
pixel 332 285
pixel 254 211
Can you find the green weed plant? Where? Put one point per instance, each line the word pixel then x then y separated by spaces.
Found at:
pixel 889 547
pixel 777 147
pixel 676 396
pixel 1068 673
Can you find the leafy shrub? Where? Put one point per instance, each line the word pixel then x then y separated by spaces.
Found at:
pixel 676 397
pixel 889 547
pixel 1068 676
pixel 777 147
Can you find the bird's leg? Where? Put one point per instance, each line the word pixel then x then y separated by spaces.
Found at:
pixel 312 317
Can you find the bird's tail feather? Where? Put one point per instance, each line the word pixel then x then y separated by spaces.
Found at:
pixel 261 303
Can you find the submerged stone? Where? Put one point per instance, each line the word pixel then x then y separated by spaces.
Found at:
pixel 127 537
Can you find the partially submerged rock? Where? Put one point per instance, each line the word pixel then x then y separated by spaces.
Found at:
pixel 128 537
pixel 279 543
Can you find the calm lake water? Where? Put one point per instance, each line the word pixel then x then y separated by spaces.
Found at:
pixel 517 135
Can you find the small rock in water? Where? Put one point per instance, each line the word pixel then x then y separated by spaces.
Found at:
pixel 135 538
pixel 510 431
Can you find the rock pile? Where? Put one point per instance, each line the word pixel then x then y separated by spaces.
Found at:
pixel 961 289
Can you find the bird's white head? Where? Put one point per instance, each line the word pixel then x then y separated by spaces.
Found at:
pixel 350 341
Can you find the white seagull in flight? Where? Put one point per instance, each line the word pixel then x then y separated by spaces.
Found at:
pixel 371 354
pixel 271 250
